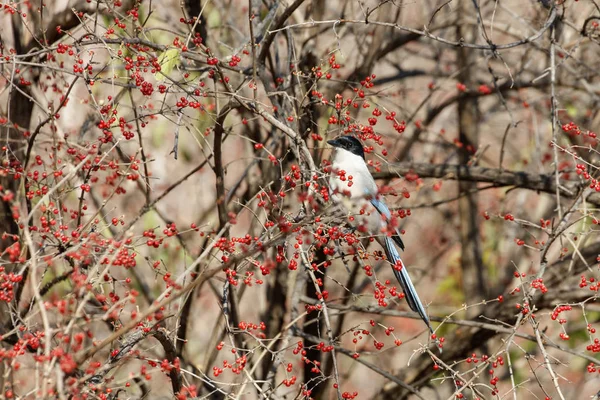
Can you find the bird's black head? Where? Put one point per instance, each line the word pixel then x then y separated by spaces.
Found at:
pixel 349 143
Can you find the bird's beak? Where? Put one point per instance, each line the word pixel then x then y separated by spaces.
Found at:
pixel 333 142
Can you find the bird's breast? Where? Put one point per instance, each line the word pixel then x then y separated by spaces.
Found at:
pixel 352 180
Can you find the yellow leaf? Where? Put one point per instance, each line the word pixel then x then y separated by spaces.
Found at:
pixel 572 111
pixel 168 60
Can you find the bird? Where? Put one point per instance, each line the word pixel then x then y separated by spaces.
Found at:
pixel 352 185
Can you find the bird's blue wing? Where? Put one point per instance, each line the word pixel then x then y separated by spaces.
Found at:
pixel 412 298
pixel 383 209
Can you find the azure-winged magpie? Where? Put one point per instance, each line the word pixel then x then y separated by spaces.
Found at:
pixel 353 185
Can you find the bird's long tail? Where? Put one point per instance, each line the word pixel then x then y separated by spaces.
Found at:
pixel 412 298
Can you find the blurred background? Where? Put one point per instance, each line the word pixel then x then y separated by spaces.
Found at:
pixel 166 215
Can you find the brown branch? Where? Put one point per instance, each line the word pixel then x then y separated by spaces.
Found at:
pixel 314 356
pixel 473 276
pixel 463 340
pixel 459 43
pixel 265 44
pixel 171 356
pixel 520 179
pixel 497 328
pixel 469 94
pixel 371 366
pixel 205 274
pixel 194 9
pixel 218 167
pixel 127 346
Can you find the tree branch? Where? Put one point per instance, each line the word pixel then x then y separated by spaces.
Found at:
pixel 520 179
